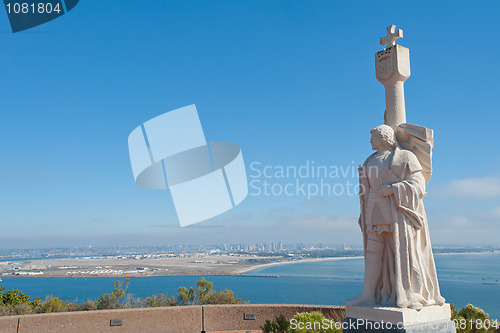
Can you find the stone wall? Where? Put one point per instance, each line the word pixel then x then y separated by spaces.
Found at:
pixel 217 318
pixel 188 319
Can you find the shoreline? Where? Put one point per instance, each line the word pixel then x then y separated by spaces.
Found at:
pixel 168 267
pixel 259 266
pixel 237 272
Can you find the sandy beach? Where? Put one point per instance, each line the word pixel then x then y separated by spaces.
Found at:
pixel 256 267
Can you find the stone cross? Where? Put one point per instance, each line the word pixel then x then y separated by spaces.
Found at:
pixel 392 35
pixel 392 68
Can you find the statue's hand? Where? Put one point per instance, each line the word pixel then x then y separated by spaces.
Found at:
pixel 385 191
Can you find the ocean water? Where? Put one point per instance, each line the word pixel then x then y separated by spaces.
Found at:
pixel 464 278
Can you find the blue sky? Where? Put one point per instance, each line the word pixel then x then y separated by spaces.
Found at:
pixel 289 81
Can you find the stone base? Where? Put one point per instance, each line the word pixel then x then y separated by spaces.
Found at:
pixel 436 318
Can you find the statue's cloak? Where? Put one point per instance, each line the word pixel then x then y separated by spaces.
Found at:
pixel 409 272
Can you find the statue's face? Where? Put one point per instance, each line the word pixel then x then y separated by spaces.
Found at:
pixel 377 141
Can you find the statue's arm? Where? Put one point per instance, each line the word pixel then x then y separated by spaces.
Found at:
pixel 363 189
pixel 411 178
pixel 410 191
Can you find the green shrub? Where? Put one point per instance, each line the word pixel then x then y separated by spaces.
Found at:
pixel 304 322
pixel 15 297
pixel 205 295
pixel 75 306
pixel 470 319
pixel 186 296
pixel 278 325
pixel 52 304
pixel 117 298
pixel 221 297
pixel 14 302
pixel 311 322
pixel 89 305
pixel 158 300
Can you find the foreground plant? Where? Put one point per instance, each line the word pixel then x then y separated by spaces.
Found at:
pixel 204 294
pixel 14 302
pixel 304 322
pixel 471 319
pixel 279 325
pixel 117 298
pixel 312 322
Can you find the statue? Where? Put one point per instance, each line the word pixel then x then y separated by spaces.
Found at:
pixel 399 264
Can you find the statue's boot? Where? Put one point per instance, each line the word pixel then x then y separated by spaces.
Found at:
pixel 373 271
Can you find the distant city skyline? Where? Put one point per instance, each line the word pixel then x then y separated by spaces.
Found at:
pixel 290 82
pixel 273 248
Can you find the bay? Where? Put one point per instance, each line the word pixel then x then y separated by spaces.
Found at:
pixel 464 278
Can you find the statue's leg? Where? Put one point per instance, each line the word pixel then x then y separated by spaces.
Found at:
pixel 373 271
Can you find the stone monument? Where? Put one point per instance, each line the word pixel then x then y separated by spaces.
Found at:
pixel 400 287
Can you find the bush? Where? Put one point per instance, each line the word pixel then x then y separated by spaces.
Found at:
pixel 52 304
pixel 278 325
pixel 15 297
pixel 304 322
pixel 14 302
pixel 221 297
pixel 117 298
pixel 13 310
pixel 87 306
pixel 311 322
pixel 205 295
pixel 158 300
pixel 470 319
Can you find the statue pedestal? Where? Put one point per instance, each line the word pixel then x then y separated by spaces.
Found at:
pixel 436 318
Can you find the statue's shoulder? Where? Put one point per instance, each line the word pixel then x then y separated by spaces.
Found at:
pixel 368 159
pixel 404 157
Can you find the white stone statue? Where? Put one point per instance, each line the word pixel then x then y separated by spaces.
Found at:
pixel 399 265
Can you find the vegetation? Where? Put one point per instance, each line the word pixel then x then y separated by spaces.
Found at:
pixel 304 322
pixel 471 319
pixel 14 302
pixel 313 322
pixel 117 299
pixel 205 294
pixel 278 325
